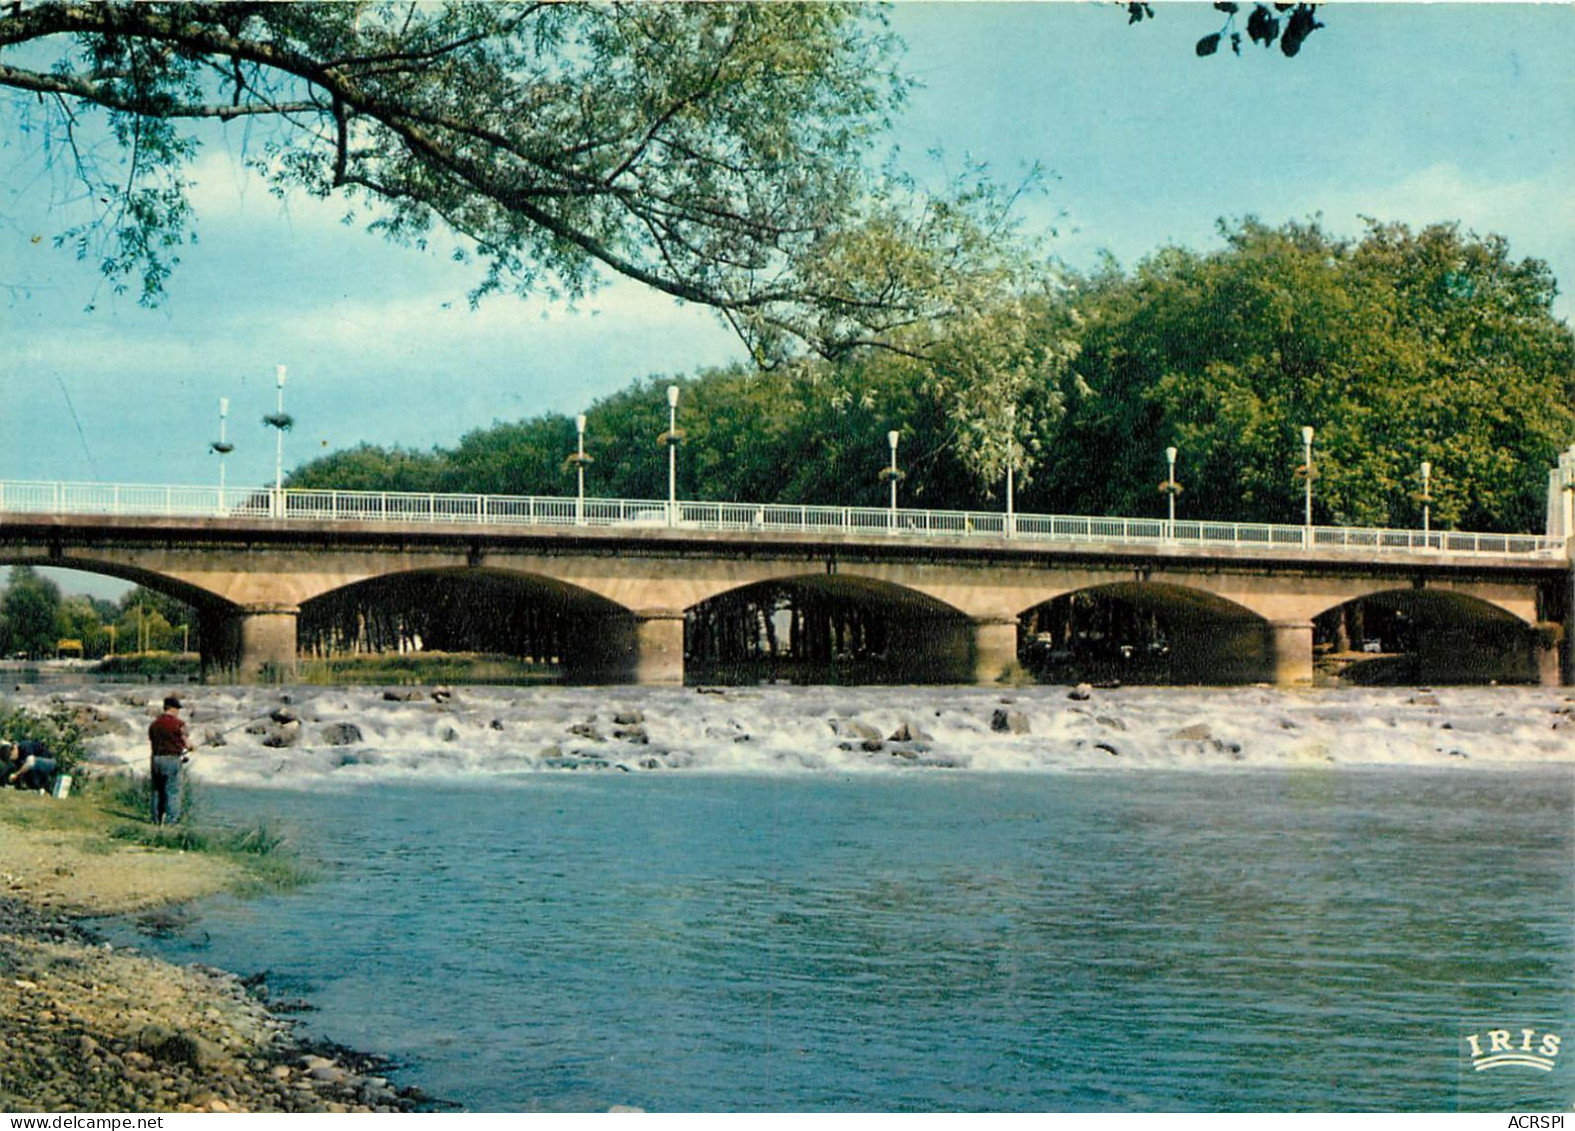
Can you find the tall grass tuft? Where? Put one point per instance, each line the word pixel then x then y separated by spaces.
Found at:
pixel 263 851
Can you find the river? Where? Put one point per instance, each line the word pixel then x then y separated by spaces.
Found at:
pixel 1157 899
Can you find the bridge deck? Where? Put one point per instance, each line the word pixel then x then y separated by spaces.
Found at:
pixel 410 512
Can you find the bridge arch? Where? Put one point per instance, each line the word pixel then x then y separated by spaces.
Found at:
pixel 160 581
pixel 570 631
pixel 1139 631
pixel 1432 635
pixel 828 628
pixel 212 625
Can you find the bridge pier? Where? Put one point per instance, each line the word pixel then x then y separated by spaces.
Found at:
pixel 658 648
pixel 1291 652
pixel 1546 644
pixel 1498 653
pixel 994 649
pixel 1569 619
pixel 254 644
pixel 646 648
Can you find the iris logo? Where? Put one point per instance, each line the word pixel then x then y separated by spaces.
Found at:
pixel 1524 1047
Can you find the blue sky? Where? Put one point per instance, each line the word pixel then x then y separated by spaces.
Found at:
pixel 1411 112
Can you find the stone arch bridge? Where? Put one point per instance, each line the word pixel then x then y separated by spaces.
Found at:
pixel 1234 612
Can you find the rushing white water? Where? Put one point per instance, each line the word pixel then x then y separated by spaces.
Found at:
pixel 354 734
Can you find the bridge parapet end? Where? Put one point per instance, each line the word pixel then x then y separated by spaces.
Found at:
pixel 1561 500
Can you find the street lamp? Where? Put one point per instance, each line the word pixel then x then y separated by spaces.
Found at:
pixel 1427 500
pixel 672 438
pixel 1171 488
pixel 280 422
pixel 1307 469
pixel 278 450
pixel 579 459
pixel 222 446
pixel 1011 468
pixel 894 477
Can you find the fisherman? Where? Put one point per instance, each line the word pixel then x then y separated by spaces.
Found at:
pixel 29 764
pixel 170 746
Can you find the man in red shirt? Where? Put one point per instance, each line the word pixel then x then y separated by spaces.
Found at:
pixel 170 743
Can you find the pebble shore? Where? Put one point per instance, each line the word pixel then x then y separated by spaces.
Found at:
pixel 90 1027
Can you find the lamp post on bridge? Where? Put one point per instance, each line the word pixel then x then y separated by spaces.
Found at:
pixel 280 421
pixel 894 477
pixel 1011 469
pixel 672 438
pixel 278 449
pixel 579 459
pixel 222 446
pixel 1427 501
pixel 1171 488
pixel 1308 473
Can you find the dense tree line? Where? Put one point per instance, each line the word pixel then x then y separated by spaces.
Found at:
pixel 1396 347
pixel 36 620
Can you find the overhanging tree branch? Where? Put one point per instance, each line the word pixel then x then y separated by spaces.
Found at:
pixel 713 152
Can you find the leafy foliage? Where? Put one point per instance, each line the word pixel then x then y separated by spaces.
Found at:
pixel 369 468
pixel 1400 347
pixel 151 621
pixel 27 613
pixel 717 152
pixel 34 619
pixel 1263 26
pixel 1397 347
pixel 59 727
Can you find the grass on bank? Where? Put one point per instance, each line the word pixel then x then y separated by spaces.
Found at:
pixel 261 850
pixel 112 810
pixel 163 666
pixel 425 668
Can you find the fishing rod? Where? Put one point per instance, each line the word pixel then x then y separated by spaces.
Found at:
pixel 213 738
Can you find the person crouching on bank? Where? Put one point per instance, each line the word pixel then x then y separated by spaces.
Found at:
pixel 171 745
pixel 28 764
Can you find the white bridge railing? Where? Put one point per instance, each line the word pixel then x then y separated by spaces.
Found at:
pixel 292 504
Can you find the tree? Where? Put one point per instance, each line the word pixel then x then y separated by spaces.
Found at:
pixel 512 459
pixel 1262 26
pixel 1399 347
pixel 716 152
pixel 151 621
pixel 78 619
pixel 28 611
pixel 368 467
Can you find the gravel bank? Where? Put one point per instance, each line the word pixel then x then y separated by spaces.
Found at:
pixel 90 1027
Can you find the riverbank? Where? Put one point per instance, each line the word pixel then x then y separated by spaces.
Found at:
pixel 90 1027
